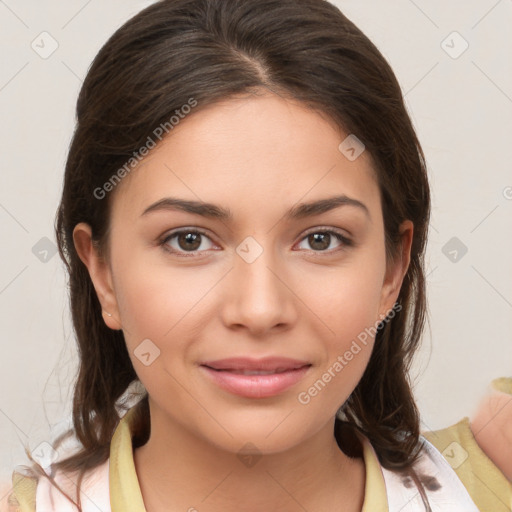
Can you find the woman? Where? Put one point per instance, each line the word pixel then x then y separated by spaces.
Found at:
pixel 243 220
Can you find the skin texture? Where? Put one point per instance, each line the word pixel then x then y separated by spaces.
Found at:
pixel 259 156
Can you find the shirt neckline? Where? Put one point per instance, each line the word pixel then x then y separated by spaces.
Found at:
pixel 126 495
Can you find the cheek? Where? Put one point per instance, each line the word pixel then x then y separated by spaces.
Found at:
pixel 168 305
pixel 349 308
pixel 347 298
pixel 153 298
pixel 157 305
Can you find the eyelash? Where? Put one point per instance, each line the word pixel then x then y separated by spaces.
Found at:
pixel 346 242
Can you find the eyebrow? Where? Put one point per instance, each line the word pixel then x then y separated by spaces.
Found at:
pixel 214 211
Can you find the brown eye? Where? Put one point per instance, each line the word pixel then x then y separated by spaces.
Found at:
pixel 189 241
pixel 320 241
pixel 186 241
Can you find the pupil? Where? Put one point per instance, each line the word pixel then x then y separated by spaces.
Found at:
pixel 190 237
pixel 320 237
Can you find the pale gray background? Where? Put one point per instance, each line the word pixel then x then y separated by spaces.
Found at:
pixel 461 108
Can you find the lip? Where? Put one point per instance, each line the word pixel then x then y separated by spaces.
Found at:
pixel 249 363
pixel 229 375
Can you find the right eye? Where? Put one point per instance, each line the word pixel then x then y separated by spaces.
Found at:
pixel 185 241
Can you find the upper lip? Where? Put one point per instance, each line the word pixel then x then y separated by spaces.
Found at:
pixel 264 364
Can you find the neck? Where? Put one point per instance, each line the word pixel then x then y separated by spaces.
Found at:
pixel 178 470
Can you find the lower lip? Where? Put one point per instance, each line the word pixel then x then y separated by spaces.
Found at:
pixel 256 386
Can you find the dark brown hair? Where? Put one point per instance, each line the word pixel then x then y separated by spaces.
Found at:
pixel 212 50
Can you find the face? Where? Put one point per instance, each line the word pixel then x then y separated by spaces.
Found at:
pixel 259 275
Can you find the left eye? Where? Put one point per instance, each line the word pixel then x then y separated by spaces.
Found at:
pixel 321 240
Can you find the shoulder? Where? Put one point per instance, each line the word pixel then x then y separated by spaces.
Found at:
pixel 20 494
pixel 492 425
pixel 58 493
pixel 484 481
pixel 428 484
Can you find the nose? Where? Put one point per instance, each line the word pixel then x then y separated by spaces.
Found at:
pixel 258 297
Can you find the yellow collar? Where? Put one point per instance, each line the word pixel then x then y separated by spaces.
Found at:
pixel 125 493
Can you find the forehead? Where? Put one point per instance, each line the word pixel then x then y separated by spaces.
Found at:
pixel 249 153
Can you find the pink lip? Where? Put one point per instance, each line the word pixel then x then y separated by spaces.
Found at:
pixel 248 363
pixel 228 374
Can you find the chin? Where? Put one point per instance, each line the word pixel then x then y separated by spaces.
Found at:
pixel 262 435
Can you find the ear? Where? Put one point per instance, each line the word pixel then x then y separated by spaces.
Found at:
pixel 396 269
pixel 100 273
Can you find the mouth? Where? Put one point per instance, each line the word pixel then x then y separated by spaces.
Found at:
pixel 252 378
pixel 267 364
pixel 254 372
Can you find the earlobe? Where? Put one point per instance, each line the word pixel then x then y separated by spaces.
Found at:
pixel 397 269
pixel 99 273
